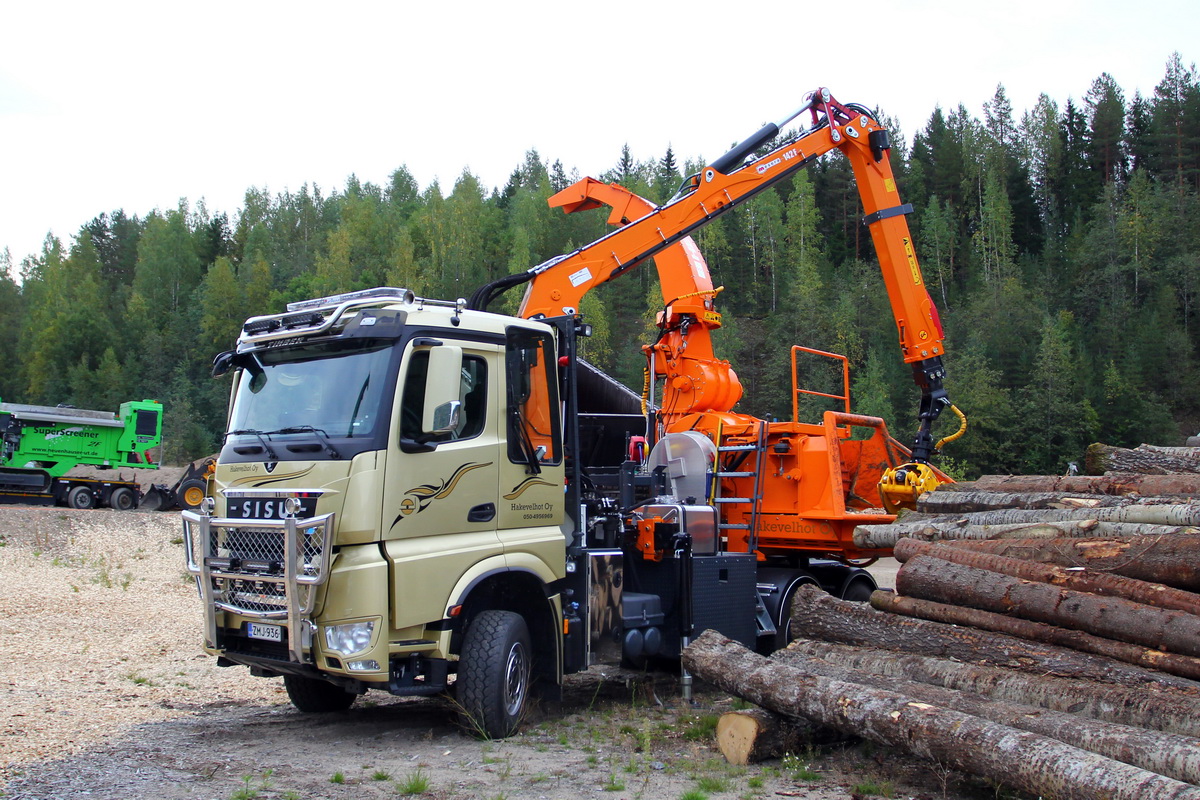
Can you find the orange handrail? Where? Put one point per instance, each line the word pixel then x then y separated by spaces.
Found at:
pixel 797 391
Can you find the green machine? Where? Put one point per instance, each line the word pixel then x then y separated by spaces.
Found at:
pixel 41 444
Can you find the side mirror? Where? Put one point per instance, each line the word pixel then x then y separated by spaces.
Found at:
pixel 446 417
pixel 222 363
pixel 231 359
pixel 442 383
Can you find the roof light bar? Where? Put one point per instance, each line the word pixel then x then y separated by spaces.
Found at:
pixel 382 292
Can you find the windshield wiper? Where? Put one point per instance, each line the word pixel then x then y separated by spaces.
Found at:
pixel 329 448
pixel 255 433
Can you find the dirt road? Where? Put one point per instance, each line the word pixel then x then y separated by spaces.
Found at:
pixel 107 695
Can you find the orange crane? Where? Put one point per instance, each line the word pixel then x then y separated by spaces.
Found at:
pixel 481 505
pixel 781 487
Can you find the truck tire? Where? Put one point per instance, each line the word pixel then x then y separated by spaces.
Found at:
pixel 494 674
pixel 783 626
pixel 315 696
pixel 191 494
pixel 81 497
pixel 122 499
pixel 858 591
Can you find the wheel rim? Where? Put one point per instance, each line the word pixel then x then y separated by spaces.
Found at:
pixel 516 679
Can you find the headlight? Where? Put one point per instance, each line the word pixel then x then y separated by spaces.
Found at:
pixel 351 638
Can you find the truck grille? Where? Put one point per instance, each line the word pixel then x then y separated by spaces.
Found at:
pixel 267 568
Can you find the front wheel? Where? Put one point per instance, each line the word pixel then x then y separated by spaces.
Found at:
pixel 313 695
pixel 494 673
pixel 191 494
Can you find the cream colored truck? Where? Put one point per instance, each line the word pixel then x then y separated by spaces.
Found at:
pixel 419 498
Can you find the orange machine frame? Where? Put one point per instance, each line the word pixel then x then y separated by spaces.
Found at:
pixel 811 483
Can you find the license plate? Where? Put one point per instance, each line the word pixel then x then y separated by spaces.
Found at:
pixel 270 633
pixel 267 508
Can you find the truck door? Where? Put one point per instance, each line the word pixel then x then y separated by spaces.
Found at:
pixel 531 473
pixel 439 493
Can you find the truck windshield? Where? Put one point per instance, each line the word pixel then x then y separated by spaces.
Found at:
pixel 335 388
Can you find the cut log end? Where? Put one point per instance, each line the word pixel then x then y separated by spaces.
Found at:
pixel 753 735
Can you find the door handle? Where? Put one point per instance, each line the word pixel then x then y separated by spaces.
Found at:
pixel 482 513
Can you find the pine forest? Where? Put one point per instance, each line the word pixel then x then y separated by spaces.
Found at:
pixel 1060 245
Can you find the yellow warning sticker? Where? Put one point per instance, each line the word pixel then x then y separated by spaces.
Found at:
pixel 912 260
pixel 889 184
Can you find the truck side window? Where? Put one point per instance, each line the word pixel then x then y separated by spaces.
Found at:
pixel 472 393
pixel 534 432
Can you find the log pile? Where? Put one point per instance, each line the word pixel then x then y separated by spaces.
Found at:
pixel 1044 633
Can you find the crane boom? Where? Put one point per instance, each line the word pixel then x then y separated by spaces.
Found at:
pixel 562 282
pixel 696 381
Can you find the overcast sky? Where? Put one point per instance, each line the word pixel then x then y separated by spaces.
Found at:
pixel 135 105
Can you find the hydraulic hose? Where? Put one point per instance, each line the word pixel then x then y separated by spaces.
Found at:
pixel 962 428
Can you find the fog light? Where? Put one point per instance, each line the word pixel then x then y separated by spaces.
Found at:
pixel 351 638
pixel 370 665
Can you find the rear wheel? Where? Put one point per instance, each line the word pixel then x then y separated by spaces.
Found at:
pixel 783 626
pixel 81 497
pixel 859 591
pixel 191 494
pixel 312 695
pixel 122 499
pixel 494 674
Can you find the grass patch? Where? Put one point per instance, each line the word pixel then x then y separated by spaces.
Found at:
pixel 872 788
pixel 416 783
pixel 712 783
pixel 701 728
pixel 251 790
pixel 614 784
pixel 140 680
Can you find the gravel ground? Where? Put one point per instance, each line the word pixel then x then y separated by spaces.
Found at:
pixel 108 695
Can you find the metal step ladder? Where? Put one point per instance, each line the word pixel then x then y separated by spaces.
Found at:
pixel 755 501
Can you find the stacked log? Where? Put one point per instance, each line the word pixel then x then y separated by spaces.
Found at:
pixel 1110 483
pixel 1170 560
pixel 1119 522
pixel 1145 459
pixel 1044 633
pixel 750 735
